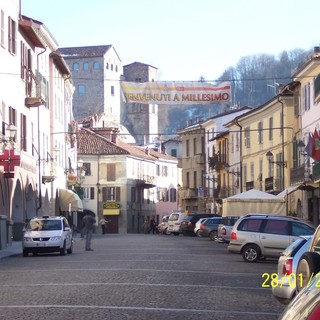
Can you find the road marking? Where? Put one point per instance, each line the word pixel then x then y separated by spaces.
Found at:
pixel 142 270
pixel 237 312
pixel 129 284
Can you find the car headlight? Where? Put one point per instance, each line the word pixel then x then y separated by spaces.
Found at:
pixel 27 239
pixel 56 238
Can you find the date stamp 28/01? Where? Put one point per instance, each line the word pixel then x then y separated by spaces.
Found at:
pixel 272 280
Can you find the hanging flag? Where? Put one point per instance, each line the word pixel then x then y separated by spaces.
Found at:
pixel 315 155
pixel 308 148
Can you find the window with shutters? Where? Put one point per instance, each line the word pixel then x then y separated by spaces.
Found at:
pixel 111 194
pixel 88 193
pixel 87 168
pixel 270 128
pixel 260 132
pixel 23 132
pixel 111 171
pixel 247 137
pixel 12 34
pixel 2 29
pixel 173 195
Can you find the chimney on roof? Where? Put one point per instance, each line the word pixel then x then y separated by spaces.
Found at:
pixel 113 137
pixel 109 133
pixel 147 151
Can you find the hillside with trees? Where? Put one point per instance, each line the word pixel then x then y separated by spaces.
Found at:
pixel 255 80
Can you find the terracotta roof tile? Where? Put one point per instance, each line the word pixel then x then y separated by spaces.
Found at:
pixel 90 142
pixel 89 51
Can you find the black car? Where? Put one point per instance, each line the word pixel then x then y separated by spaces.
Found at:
pixel 188 223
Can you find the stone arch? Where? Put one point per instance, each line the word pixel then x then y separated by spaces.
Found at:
pixel 17 212
pixel 31 201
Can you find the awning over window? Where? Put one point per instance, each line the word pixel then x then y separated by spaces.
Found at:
pixel 69 200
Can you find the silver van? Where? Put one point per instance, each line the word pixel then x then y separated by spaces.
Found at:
pixel 174 222
pixel 259 235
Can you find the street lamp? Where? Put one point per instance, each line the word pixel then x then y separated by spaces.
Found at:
pixel 269 156
pixel 81 171
pixel 213 180
pixel 281 164
pixel 227 168
pixel 11 131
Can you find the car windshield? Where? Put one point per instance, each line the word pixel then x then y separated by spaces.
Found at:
pixel 188 218
pixel 174 217
pixel 44 225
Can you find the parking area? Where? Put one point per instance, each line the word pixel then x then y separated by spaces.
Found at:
pixel 139 276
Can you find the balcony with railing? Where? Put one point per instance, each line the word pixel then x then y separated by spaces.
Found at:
pixel 36 90
pixel 146 182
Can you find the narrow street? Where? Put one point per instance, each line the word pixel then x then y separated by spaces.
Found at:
pixel 137 276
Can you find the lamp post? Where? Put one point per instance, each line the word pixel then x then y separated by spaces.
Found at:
pixel 213 180
pixel 306 163
pixel 235 173
pixel 10 135
pixel 281 164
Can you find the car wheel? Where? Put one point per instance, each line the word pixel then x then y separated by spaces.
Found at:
pixel 25 253
pixel 70 250
pixel 166 232
pixel 308 267
pixel 63 249
pixel 213 235
pixel 251 253
pixel 198 234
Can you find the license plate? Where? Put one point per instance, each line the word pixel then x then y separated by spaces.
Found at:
pixel 41 244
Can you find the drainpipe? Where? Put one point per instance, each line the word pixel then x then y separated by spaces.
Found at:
pixel 282 141
pixel 239 125
pixel 39 157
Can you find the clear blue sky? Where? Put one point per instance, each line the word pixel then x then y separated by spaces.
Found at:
pixel 184 39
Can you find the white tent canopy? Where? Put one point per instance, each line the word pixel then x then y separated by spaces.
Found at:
pixel 253 201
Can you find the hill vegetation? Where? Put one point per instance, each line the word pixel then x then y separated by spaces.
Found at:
pixel 255 80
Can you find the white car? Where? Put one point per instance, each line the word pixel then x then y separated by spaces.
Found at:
pixel 174 222
pixel 47 234
pixel 163 226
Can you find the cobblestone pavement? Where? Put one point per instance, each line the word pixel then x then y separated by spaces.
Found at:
pixel 137 276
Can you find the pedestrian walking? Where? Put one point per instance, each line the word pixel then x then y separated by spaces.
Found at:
pixel 88 221
pixel 145 226
pixel 103 223
pixel 152 225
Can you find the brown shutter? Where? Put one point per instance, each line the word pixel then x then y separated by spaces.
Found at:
pixel 117 193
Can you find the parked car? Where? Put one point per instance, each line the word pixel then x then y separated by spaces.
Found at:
pixel 225 227
pixel 164 224
pixel 47 234
pixel 197 226
pixel 259 235
pixel 174 222
pixel 306 305
pixel 309 263
pixel 209 228
pixel 285 291
pixel 189 221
